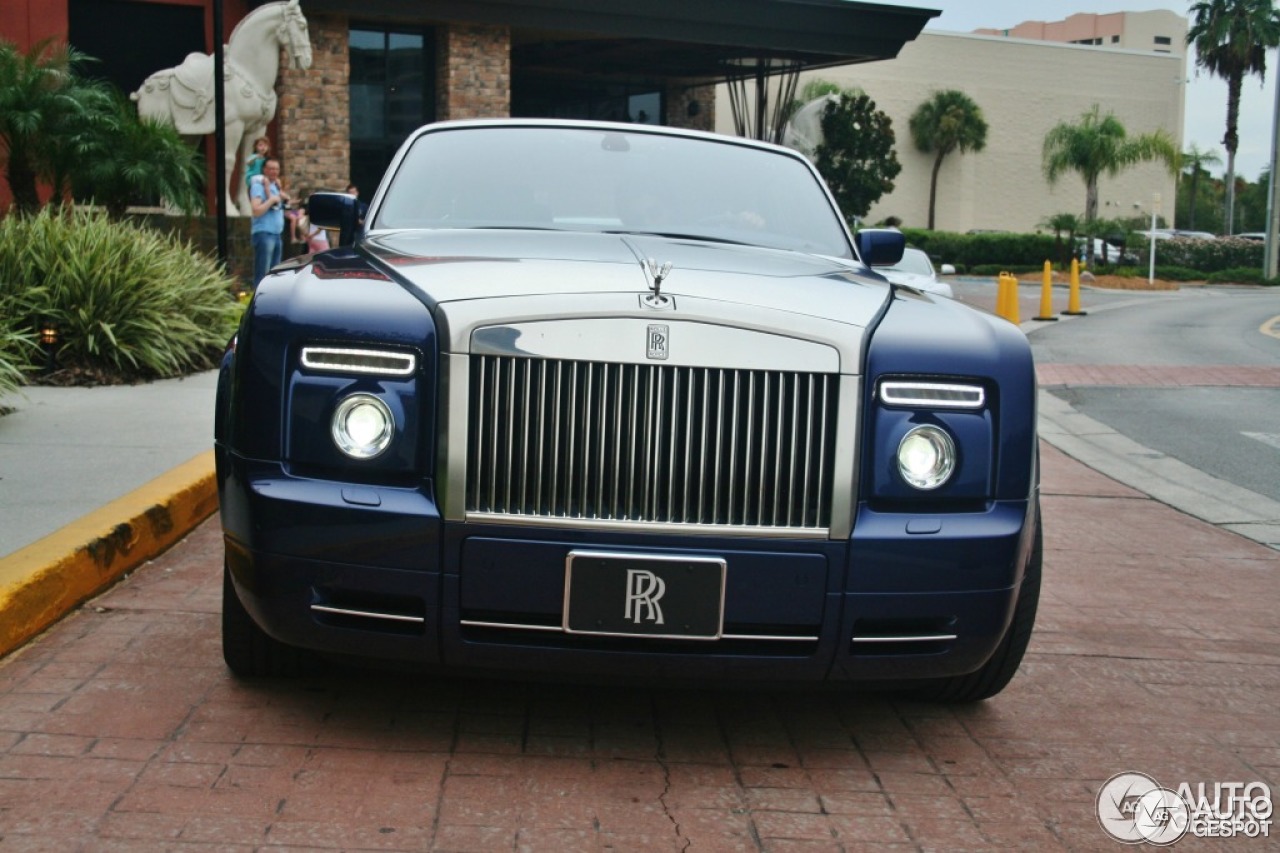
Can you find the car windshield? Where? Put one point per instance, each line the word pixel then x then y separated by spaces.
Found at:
pixel 596 179
pixel 913 261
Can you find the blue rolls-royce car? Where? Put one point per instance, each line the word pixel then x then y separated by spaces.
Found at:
pixel 601 401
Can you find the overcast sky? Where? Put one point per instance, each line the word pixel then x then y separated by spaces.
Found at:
pixel 1206 115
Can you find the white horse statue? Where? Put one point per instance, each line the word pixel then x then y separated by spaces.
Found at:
pixel 184 95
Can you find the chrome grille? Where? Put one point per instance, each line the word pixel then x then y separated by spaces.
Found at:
pixel 650 444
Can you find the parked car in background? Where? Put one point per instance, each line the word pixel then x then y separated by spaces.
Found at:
pixel 916 270
pixel 1105 252
pixel 619 402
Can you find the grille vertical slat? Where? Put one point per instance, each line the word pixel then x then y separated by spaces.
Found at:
pixel 650 444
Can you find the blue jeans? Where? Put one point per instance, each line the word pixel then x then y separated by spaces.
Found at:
pixel 267 249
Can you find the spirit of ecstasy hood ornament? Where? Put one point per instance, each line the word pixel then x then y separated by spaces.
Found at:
pixel 659 274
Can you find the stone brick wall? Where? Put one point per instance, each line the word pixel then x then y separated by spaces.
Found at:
pixel 684 98
pixel 313 120
pixel 473 71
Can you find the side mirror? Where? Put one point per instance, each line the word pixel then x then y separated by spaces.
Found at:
pixel 881 247
pixel 335 210
pixel 947 269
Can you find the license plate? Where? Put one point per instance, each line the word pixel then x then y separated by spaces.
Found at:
pixel 630 595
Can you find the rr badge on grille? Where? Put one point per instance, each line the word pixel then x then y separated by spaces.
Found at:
pixel 659 341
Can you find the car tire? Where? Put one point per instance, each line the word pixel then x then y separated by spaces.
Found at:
pixel 999 670
pixel 249 651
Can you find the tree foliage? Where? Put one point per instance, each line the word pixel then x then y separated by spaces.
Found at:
pixel 80 135
pixel 42 103
pixel 857 156
pixel 1193 168
pixel 138 160
pixel 949 121
pixel 1098 145
pixel 1231 38
pixel 1059 224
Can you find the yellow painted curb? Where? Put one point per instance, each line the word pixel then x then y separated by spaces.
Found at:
pixel 42 582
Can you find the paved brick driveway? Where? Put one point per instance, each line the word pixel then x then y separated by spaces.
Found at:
pixel 1157 649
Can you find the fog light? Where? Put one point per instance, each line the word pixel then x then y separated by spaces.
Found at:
pixel 362 426
pixel 926 457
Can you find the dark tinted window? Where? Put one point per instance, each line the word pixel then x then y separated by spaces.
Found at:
pixel 392 95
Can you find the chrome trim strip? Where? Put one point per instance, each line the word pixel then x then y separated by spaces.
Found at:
pixel 368 614
pixel 916 638
pixel 622 340
pixel 510 626
pixel 844 467
pixel 552 629
pixel 755 531
pixel 332 359
pixel 772 638
pixel 451 458
pixel 940 395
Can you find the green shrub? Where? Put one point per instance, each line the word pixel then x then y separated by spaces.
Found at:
pixel 1242 275
pixel 1208 256
pixel 128 303
pixel 1176 273
pixel 996 269
pixel 969 251
pixel 17 348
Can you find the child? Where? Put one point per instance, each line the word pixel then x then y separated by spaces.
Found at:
pixel 316 238
pixel 253 169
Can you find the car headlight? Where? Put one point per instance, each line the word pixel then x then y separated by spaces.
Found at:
pixel 362 426
pixel 926 457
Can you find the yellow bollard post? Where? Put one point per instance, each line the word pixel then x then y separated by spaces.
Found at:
pixel 1073 301
pixel 1002 295
pixel 1013 316
pixel 1046 295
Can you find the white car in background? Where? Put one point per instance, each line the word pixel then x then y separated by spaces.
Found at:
pixel 916 270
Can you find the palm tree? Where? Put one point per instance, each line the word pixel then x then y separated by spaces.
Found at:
pixel 39 93
pixel 1193 164
pixel 131 159
pixel 1058 223
pixel 949 121
pixel 1098 145
pixel 1231 38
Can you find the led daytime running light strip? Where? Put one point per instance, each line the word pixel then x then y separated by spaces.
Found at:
pixel 933 395
pixel 378 362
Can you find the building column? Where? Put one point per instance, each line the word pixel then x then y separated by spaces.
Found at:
pixel 473 71
pixel 313 118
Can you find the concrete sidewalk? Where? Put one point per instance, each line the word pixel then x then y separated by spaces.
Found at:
pixel 93 483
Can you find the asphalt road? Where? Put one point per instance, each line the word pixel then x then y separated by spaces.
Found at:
pixel 1232 433
pixel 1229 432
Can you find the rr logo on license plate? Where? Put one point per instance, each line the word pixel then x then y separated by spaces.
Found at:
pixel 644 591
pixel 657 596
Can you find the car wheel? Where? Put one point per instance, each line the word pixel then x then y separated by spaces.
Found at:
pixel 248 650
pixel 997 672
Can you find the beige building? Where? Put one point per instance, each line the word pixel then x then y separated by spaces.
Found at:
pixel 1024 87
pixel 1160 31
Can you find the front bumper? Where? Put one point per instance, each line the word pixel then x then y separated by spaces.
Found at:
pixel 376 572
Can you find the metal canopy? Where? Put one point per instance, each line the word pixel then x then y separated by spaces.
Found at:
pixel 665 39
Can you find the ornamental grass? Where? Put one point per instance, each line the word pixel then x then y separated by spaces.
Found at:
pixel 127 303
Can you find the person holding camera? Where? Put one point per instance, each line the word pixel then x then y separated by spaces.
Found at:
pixel 268 202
